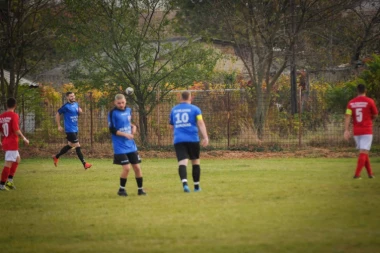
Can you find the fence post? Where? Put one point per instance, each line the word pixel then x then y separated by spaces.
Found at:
pixel 91 123
pixel 158 117
pixel 228 119
pixel 299 118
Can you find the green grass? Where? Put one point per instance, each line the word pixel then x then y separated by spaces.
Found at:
pixel 271 205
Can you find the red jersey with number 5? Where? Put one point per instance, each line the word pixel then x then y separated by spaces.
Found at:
pixel 8 128
pixel 362 109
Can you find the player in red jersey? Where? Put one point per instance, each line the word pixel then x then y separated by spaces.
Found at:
pixel 363 111
pixel 9 140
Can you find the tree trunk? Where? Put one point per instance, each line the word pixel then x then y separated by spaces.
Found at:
pixel 143 122
pixel 260 114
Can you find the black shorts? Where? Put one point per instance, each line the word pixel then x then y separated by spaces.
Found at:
pixel 187 150
pixel 72 137
pixel 130 158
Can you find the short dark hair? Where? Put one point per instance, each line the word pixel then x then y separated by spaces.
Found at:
pixel 185 95
pixel 69 93
pixel 361 88
pixel 11 102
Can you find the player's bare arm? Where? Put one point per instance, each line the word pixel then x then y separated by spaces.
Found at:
pixel 58 121
pixel 80 110
pixel 126 135
pixel 347 120
pixel 202 128
pixel 19 133
pixel 134 128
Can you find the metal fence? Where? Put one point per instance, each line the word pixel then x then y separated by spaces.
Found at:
pixel 228 115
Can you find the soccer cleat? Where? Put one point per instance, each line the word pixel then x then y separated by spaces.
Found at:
pixel 186 188
pixel 55 160
pixel 122 192
pixel 198 190
pixel 357 177
pixel 141 193
pixel 3 188
pixel 371 176
pixel 87 165
pixel 10 185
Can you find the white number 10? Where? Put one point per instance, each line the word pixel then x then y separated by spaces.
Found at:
pixel 359 114
pixel 5 129
pixel 181 118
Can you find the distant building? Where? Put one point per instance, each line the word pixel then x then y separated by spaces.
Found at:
pixel 23 81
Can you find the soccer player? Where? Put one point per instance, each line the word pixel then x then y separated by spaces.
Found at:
pixel 9 140
pixel 70 111
pixel 185 120
pixel 363 111
pixel 124 146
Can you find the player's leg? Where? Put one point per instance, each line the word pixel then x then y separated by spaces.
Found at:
pixel 363 153
pixel 135 160
pixel 122 159
pixel 123 180
pixel 63 151
pixel 366 147
pixel 74 142
pixel 78 150
pixel 9 159
pixel 183 159
pixel 195 161
pixel 139 179
pixel 10 184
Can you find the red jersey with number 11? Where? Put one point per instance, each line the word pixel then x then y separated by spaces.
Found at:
pixel 362 109
pixel 8 128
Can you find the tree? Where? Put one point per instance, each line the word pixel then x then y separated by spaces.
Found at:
pixel 131 43
pixel 347 37
pixel 264 34
pixel 25 33
pixel 365 30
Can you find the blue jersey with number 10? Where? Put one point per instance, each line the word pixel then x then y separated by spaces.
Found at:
pixel 70 113
pixel 183 117
pixel 121 120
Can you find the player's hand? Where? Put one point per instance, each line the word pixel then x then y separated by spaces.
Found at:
pixel 204 142
pixel 347 135
pixel 129 136
pixel 60 128
pixel 26 141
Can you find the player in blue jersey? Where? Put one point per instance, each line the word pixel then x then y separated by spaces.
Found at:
pixel 124 146
pixel 185 120
pixel 70 111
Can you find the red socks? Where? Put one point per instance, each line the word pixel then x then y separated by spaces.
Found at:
pixel 363 160
pixel 5 174
pixel 368 166
pixel 13 169
pixel 8 172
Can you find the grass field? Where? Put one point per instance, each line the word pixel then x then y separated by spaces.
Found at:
pixel 271 205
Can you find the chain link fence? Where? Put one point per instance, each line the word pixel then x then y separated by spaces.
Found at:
pixel 228 115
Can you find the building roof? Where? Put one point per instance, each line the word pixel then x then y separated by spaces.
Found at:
pixel 23 81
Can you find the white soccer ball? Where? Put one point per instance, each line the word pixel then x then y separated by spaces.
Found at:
pixel 129 91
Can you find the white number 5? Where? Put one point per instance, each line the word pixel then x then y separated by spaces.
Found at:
pixel 359 114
